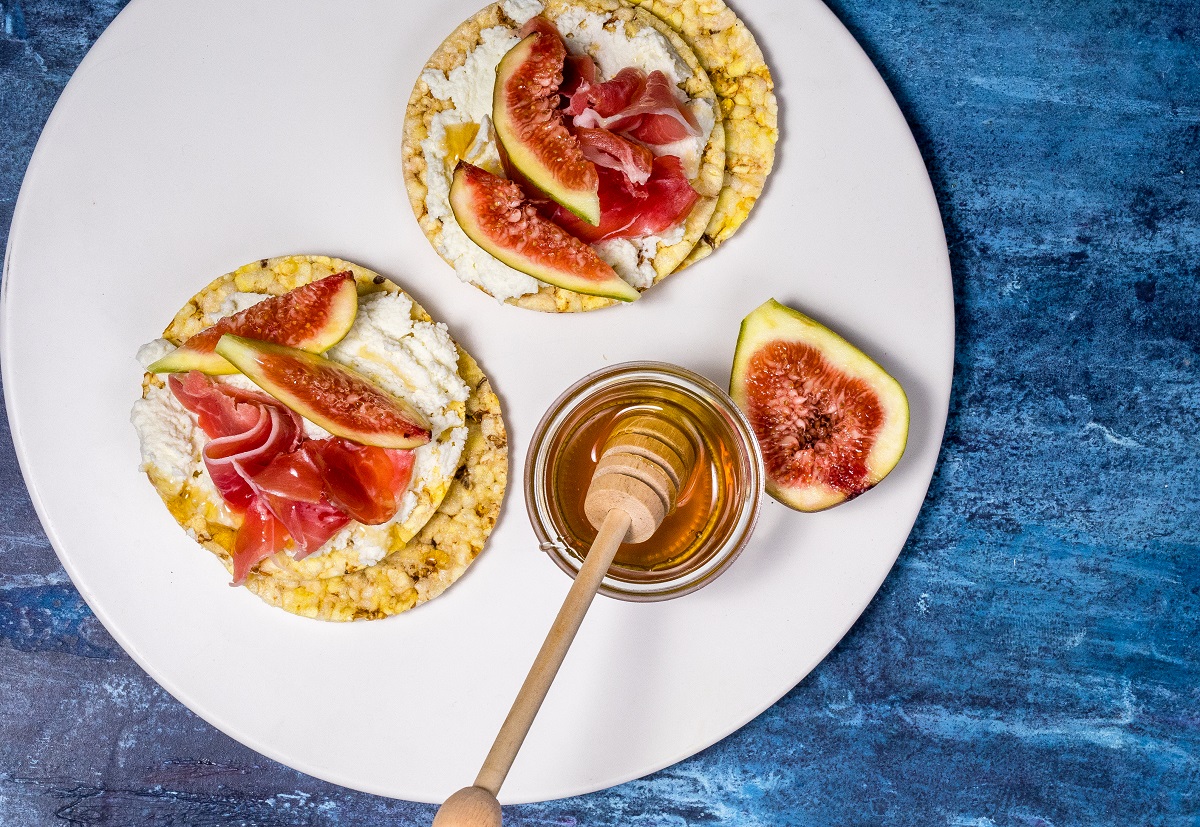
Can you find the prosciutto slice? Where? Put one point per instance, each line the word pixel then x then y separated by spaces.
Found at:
pixel 286 487
pixel 246 430
pixel 605 149
pixel 233 460
pixel 260 536
pixel 221 409
pixel 631 211
pixel 577 70
pixel 670 196
pixel 294 475
pixel 362 480
pixel 640 106
pixel 310 525
pixel 294 491
pixel 608 99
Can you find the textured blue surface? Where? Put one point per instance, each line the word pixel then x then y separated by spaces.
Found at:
pixel 1032 660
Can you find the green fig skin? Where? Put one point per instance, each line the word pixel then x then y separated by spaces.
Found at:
pixel 182 359
pixel 329 394
pixel 773 322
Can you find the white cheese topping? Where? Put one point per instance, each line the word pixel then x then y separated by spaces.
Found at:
pixel 169 435
pixel 470 87
pixel 522 10
pixel 471 84
pixel 417 361
pixel 151 352
pixel 588 33
pixel 633 259
pixel 237 302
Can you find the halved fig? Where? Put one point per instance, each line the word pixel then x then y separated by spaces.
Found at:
pixel 340 400
pixel 313 317
pixel 495 214
pixel 831 422
pixel 530 128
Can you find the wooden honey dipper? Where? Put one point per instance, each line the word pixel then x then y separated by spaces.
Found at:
pixel 643 466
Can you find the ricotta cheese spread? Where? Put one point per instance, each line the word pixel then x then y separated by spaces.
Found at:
pixel 414 360
pixel 586 32
pixel 469 88
pixel 633 258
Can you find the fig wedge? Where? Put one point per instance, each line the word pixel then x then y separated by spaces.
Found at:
pixel 830 421
pixel 313 317
pixel 530 128
pixel 340 400
pixel 495 214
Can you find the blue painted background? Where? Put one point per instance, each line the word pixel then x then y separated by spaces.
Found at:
pixel 1033 658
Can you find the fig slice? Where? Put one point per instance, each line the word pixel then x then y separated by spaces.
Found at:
pixel 530 129
pixel 495 214
pixel 340 400
pixel 830 421
pixel 313 317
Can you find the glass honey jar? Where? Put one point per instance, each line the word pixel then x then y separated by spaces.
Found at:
pixel 717 505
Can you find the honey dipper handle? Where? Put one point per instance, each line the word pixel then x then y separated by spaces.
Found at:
pixel 550 657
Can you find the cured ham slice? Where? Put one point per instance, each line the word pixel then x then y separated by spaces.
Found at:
pixel 286 488
pixel 631 211
pixel 260 536
pixel 577 70
pixel 221 409
pixel 670 196
pixel 364 481
pixel 643 107
pixel 247 431
pixel 233 460
pixel 620 202
pixel 310 525
pixel 608 99
pixel 604 149
pixel 663 119
pixel 294 475
pixel 294 491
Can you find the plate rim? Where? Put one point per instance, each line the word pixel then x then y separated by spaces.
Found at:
pixel 179 691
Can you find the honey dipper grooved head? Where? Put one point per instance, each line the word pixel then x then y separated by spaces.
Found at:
pixel 642 467
pixel 652 449
pixel 663 430
pixel 643 505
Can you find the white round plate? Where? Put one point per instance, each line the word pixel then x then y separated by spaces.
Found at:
pixel 196 137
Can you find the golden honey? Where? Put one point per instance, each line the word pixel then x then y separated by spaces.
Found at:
pixel 717 503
